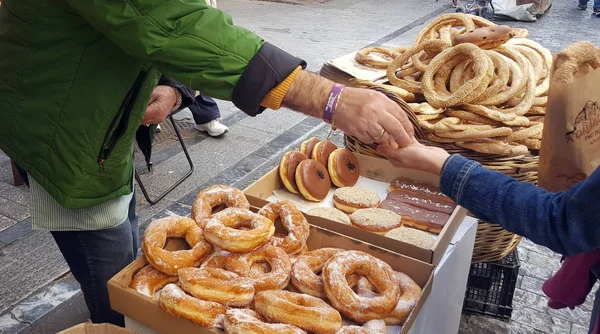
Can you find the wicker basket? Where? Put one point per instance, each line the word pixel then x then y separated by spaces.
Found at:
pixel 492 242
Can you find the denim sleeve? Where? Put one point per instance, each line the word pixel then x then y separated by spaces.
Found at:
pixel 566 222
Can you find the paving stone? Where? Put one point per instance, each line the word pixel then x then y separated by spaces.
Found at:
pixel 540 320
pixel 532 284
pixel 6 222
pixel 16 194
pixel 16 232
pixel 488 324
pixel 578 329
pixel 550 262
pixel 529 245
pixel 530 269
pixel 13 210
pixel 519 281
pixel 34 307
pixel 522 252
pixel 519 328
pixel 6 175
pixel 589 300
pixel 577 315
pixel 523 298
pixel 9 325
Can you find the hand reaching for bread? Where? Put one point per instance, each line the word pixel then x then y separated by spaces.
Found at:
pixel 416 156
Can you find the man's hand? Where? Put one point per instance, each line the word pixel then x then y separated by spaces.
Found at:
pixel 161 104
pixel 361 113
pixel 416 156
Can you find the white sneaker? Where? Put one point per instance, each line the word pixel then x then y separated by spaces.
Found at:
pixel 214 128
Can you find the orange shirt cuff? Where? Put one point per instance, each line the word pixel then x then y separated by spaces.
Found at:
pixel 274 98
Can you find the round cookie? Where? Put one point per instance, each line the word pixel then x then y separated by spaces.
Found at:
pixel 287 169
pixel 412 236
pixel 350 199
pixel 343 168
pixel 322 151
pixel 376 220
pixel 308 145
pixel 313 180
pixel 331 214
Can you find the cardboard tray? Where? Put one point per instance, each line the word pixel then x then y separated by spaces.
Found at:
pixel 380 170
pixel 146 311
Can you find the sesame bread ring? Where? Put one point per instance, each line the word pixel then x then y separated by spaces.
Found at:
pixel 287 169
pixel 376 220
pixel 313 180
pixel 221 230
pixel 322 151
pixel 215 196
pixel 333 214
pixel 307 312
pixel 308 146
pixel 294 222
pixel 244 321
pixel 343 168
pixel 169 262
pixel 175 301
pixel 217 285
pixel 278 260
pixel 486 38
pixel 341 296
pixel 148 281
pixel 364 57
pixel 350 199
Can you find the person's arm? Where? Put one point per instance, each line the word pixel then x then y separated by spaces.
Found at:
pixel 187 94
pixel 566 222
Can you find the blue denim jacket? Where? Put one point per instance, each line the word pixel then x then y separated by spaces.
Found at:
pixel 567 222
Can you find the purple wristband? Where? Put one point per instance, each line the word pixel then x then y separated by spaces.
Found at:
pixel 332 100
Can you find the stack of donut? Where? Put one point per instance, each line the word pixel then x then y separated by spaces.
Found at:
pixel 239 275
pixel 311 170
pixel 475 84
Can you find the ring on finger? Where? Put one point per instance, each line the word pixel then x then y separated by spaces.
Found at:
pixel 380 135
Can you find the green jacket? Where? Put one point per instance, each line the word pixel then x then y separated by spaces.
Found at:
pixel 76 77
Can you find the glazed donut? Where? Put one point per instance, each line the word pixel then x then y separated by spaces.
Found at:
pixel 343 168
pixel 350 199
pixel 308 146
pixel 322 151
pixel 287 169
pixel 364 57
pixel 217 285
pixel 169 262
pixel 331 214
pixel 244 321
pixel 369 327
pixel 220 230
pixel 216 259
pixel 307 312
pixel 341 296
pixel 313 180
pixel 278 260
pixel 148 281
pixel 215 196
pixel 486 38
pixel 305 272
pixel 294 222
pixel 175 301
pixel 376 220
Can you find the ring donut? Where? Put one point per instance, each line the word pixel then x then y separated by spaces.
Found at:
pixel 173 300
pixel 217 285
pixel 221 230
pixel 169 262
pixel 245 321
pixel 278 260
pixel 369 327
pixel 341 296
pixel 305 272
pixel 307 312
pixel 216 259
pixel 148 281
pixel 294 222
pixel 215 196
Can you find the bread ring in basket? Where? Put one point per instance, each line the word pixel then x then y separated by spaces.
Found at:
pixel 307 312
pixel 215 196
pixel 341 296
pixel 175 301
pixel 148 281
pixel 169 262
pixel 364 57
pixel 217 285
pixel 278 260
pixel 245 321
pixel 221 230
pixel 294 222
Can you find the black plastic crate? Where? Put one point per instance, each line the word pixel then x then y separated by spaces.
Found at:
pixel 491 287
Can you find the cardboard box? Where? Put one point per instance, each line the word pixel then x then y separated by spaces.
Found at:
pixel 146 311
pixel 379 170
pixel 96 329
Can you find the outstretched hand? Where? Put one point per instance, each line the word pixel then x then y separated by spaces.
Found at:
pixel 161 104
pixel 416 156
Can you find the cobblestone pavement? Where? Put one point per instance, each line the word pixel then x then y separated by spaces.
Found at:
pixel 37 295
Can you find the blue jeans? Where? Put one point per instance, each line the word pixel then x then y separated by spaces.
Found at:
pixel 94 257
pixel 204 109
pixel 585 2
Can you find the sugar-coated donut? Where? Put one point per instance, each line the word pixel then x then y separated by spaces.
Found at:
pixel 376 220
pixel 350 199
pixel 308 146
pixel 369 327
pixel 305 272
pixel 343 168
pixel 330 213
pixel 244 321
pixel 169 262
pixel 307 312
pixel 294 222
pixel 313 180
pixel 217 285
pixel 215 196
pixel 221 230
pixel 216 259
pixel 340 294
pixel 148 281
pixel 175 301
pixel 279 262
pixel 287 169
pixel 322 151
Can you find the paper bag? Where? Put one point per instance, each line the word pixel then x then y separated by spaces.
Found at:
pixel 570 148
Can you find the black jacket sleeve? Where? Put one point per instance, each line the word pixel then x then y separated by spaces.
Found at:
pixel 187 94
